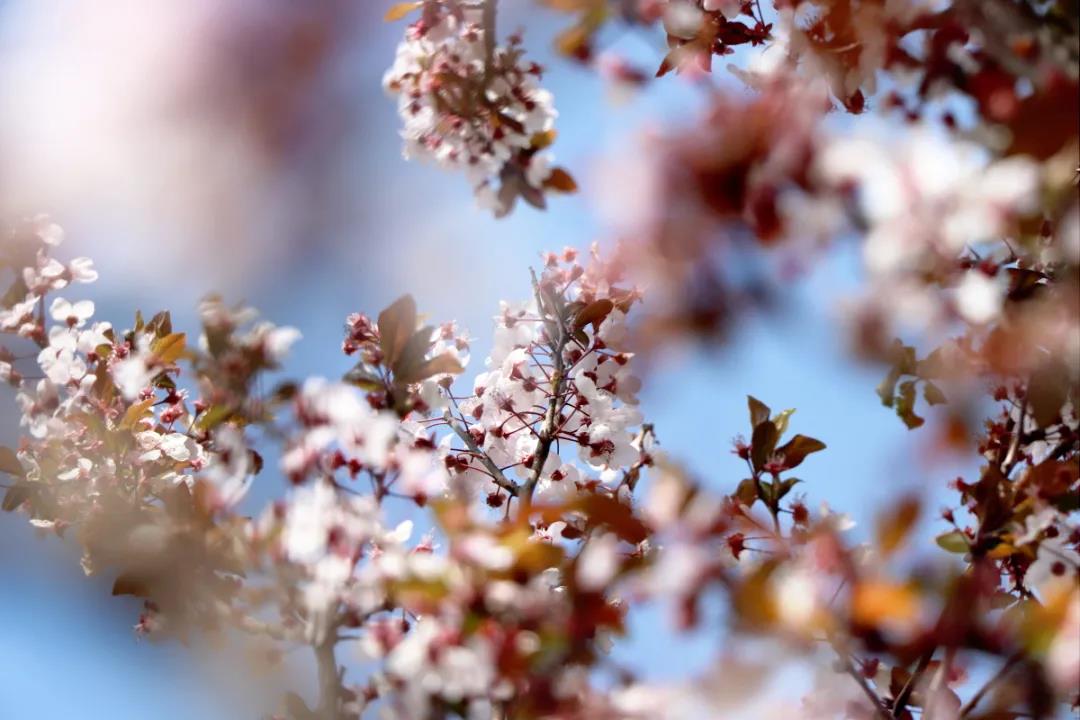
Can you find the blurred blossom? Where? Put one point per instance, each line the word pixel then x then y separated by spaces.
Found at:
pixel 170 126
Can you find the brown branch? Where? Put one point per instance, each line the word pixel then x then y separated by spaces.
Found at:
pixel 488 19
pixel 494 470
pixel 1004 670
pixel 549 428
pixel 880 709
pixel 879 705
pixel 329 679
pixel 909 687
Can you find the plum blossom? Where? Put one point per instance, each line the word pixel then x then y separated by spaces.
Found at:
pixel 472 106
pixel 74 314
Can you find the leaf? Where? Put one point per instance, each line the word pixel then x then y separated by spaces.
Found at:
pixel 781 420
pixel 905 407
pixel 933 394
pixel 605 511
pixel 169 348
pixel 364 378
pixel 135 413
pixel 896 524
pixel 127 584
pixel 763 444
pixel 759 411
pixel 783 487
pixel 160 324
pixel 212 417
pixel 397 324
pixel 9 462
pixel 796 449
pixel 16 495
pixel 746 493
pixel 873 603
pixel 572 41
pixel 1047 392
pixel 953 541
pixel 541 140
pixel 886 390
pixel 561 181
pixel 401 10
pixel 438 365
pixel 594 313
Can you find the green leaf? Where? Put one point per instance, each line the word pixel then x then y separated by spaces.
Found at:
pixel 781 421
pixel 214 416
pixel 364 378
pixel 953 541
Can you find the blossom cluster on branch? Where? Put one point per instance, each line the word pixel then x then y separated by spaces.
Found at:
pixel 475 106
pixel 479 547
pixel 508 606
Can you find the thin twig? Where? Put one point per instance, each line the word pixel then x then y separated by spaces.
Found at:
pixel 488 19
pixel 497 475
pixel 549 429
pixel 909 687
pixel 1004 670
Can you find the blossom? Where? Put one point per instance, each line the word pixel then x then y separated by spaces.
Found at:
pixel 470 110
pixel 74 314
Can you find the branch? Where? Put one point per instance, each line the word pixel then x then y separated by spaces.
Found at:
pixel 496 473
pixel 1004 670
pixel 909 687
pixel 329 679
pixel 549 429
pixel 879 706
pixel 488 20
pixel 881 711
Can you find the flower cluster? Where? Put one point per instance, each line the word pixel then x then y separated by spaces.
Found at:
pixel 513 598
pixel 474 106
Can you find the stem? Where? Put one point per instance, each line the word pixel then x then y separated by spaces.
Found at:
pixel 548 430
pixel 488 19
pixel 496 472
pixel 1005 669
pixel 909 687
pixel 329 680
pixel 879 707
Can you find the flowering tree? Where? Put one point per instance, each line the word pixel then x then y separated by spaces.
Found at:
pixel 551 511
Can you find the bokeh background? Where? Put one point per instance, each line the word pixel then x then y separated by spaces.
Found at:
pixel 247 148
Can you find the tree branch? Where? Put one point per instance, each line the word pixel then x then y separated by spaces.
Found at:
pixel 488 18
pixel 548 430
pixel 909 687
pixel 329 679
pixel 496 472
pixel 1004 670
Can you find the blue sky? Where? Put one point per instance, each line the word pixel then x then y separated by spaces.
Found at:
pixel 68 650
